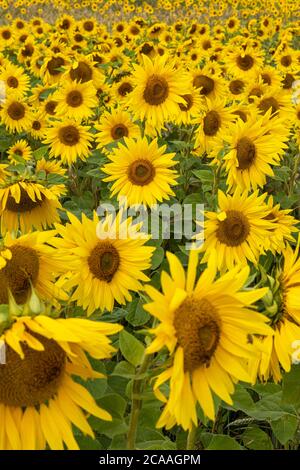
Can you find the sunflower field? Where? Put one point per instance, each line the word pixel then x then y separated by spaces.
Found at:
pixel 149 217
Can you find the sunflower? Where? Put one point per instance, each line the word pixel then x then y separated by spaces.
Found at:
pixel 286 60
pixel 122 90
pixel 243 62
pixel 7 37
pixel 21 149
pixel 269 76
pixel 38 126
pixel 192 107
pixel 76 100
pixel 39 398
pixel 253 146
pixel 15 80
pixel 141 172
pixel 209 82
pixel 15 115
pixel 239 231
pixel 158 90
pixel 115 125
pixel 205 327
pixel 284 226
pixel 276 352
pixel 213 122
pixel 106 258
pixel 68 140
pixel 53 67
pixel 236 87
pixel 28 204
pixel 50 167
pixel 83 70
pixel 277 101
pixel 30 265
pixel 48 107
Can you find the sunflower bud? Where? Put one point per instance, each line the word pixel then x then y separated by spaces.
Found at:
pixel 34 304
pixel 14 309
pixel 4 317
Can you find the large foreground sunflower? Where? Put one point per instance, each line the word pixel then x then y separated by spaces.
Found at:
pixel 105 260
pixel 205 327
pixel 39 399
pixel 141 172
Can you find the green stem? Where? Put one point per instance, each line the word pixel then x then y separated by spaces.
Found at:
pixel 191 439
pixel 294 174
pixel 136 402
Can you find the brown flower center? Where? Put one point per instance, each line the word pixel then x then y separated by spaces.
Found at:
pixel 156 91
pixel 50 107
pixel 36 125
pixel 54 65
pixel 189 103
pixel 74 98
pixel 104 261
pixel 254 92
pixel 146 48
pixel 25 204
pixel 241 114
pixel 245 63
pixel 16 111
pixel 6 34
pixel 82 73
pixel 266 78
pixel 197 328
pixel 69 135
pixel 268 103
pixel 20 270
pixel 206 84
pixel 211 123
pixel 125 88
pixel 88 25
pixel 12 82
pixel 119 131
pixel 245 152
pixel 236 87
pixel 65 24
pixel 234 230
pixel 27 51
pixel 141 172
pixel 36 378
pixel 286 60
pixel 288 81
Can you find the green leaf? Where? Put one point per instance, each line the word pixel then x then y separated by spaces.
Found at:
pixel 109 428
pixel 87 443
pixel 124 369
pixel 256 439
pixel 205 176
pixel 114 404
pixel 157 257
pixel 284 428
pixel 40 152
pixel 291 386
pixel 164 444
pixel 131 348
pixel 223 442
pixel 137 316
